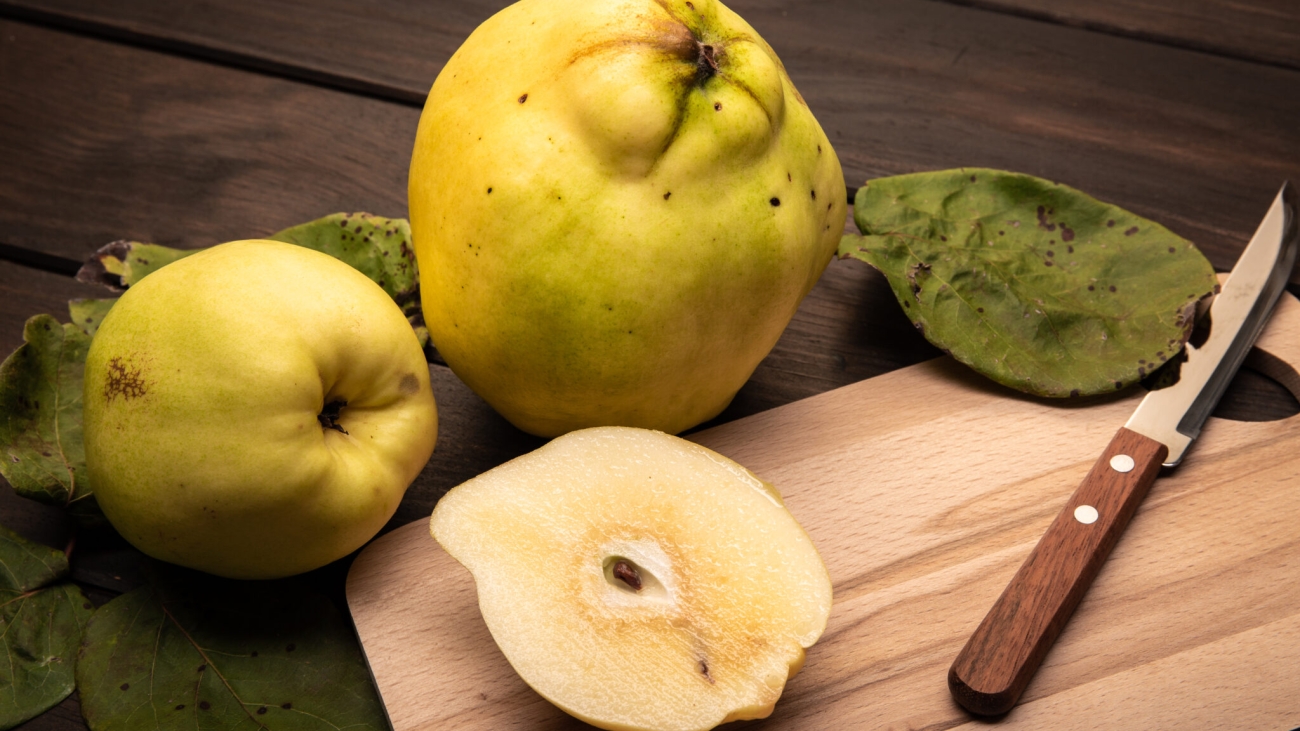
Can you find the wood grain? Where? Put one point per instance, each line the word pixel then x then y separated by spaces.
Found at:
pixel 1187 139
pixel 1001 656
pixel 1265 31
pixel 924 489
pixel 27 292
pixel 1230 684
pixel 391 49
pixel 104 142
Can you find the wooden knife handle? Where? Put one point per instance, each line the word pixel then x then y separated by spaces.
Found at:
pixel 994 667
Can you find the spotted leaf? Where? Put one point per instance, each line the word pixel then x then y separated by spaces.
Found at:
pixel 1033 284
pixel 40 417
pixel 43 616
pixel 191 651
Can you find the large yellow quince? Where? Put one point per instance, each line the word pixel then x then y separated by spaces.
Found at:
pixel 617 208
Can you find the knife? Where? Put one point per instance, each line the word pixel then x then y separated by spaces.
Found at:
pixel 994 667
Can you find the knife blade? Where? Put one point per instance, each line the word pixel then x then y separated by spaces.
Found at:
pixel 998 660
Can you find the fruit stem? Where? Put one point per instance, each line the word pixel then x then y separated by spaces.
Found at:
pixel 329 415
pixel 706 62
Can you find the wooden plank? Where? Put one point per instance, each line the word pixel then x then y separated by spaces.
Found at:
pixel 1195 142
pixel 1264 31
pixel 924 490
pixel 103 141
pixel 26 292
pixel 392 49
pixel 1238 682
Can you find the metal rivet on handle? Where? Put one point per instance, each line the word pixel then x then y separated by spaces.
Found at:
pixel 1121 463
pixel 1085 514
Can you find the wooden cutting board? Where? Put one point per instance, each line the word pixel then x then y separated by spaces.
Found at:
pixel 924 489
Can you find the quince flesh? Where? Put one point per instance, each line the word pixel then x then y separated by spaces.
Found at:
pixel 639 581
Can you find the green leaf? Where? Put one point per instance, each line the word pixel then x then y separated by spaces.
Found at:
pixel 40 417
pixel 42 624
pixel 194 651
pixel 122 263
pixel 88 313
pixel 1033 284
pixel 378 247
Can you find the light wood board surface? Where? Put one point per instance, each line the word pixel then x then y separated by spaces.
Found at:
pixel 924 489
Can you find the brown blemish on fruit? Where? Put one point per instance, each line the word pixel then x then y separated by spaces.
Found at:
pixel 775 201
pixel 668 195
pixel 717 106
pixel 523 98
pixel 704 670
pixel 409 384
pixel 123 381
pixel 626 573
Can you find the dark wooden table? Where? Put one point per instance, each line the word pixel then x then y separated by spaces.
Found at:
pixel 189 124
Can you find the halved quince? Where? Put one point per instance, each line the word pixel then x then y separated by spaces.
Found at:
pixel 639 581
